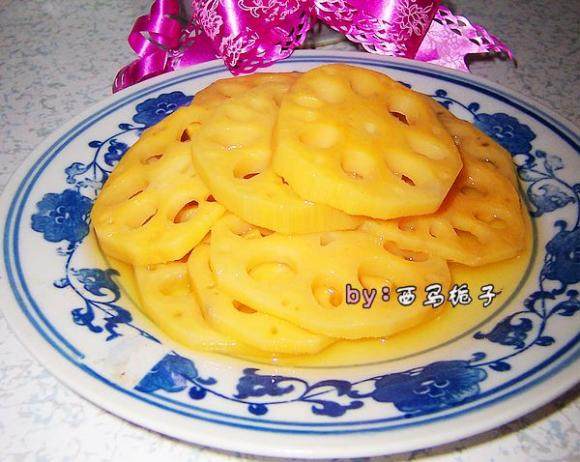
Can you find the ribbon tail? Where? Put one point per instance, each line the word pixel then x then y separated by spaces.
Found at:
pixel 452 38
pixel 141 69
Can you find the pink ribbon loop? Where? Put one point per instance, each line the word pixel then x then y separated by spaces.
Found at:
pixel 249 34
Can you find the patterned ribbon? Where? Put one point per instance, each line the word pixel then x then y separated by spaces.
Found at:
pixel 248 34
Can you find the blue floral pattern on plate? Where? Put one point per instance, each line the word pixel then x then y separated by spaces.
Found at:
pixel 153 110
pixel 63 217
pixel 439 385
pixel 507 131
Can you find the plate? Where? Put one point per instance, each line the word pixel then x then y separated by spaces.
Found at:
pixel 62 300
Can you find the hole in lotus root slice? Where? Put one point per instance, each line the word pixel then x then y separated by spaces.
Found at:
pixel 492 221
pixel 489 162
pixel 316 159
pixel 243 308
pixel 249 176
pixel 136 194
pixel 401 117
pixel 440 229
pixel 427 147
pixel 404 106
pixel 269 271
pixel 467 237
pixel 406 224
pixel 326 238
pixel 308 101
pixel 365 84
pixel 327 291
pixel 239 227
pixel 187 212
pixel 129 215
pixel 185 258
pixel 330 88
pixel 127 185
pixel 243 229
pixel 236 136
pixel 265 232
pixel 247 169
pixel 492 216
pixel 370 127
pixel 190 131
pixel 323 136
pixel 177 284
pixel 148 218
pixel 370 277
pixel 472 191
pixel 408 255
pixel 152 159
pixel 358 164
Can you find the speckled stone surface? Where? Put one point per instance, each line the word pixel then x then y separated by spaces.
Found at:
pixel 60 56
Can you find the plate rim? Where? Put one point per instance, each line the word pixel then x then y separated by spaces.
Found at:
pixel 43 355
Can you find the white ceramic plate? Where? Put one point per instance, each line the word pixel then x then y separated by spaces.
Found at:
pixel 63 304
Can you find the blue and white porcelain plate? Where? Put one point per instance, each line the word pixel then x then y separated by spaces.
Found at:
pixel 64 304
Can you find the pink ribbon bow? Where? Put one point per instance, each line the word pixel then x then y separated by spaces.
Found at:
pixel 248 34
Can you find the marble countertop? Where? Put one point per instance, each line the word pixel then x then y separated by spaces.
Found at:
pixel 60 56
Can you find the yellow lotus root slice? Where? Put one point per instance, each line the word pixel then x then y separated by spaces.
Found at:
pixel 474 144
pixel 221 90
pixel 167 299
pixel 356 140
pixel 232 153
pixel 239 321
pixel 154 207
pixel 224 89
pixel 178 191
pixel 302 278
pixel 481 220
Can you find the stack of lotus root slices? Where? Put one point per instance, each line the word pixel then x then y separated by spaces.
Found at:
pixel 245 214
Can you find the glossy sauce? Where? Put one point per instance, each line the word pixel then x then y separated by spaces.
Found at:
pixel 453 322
